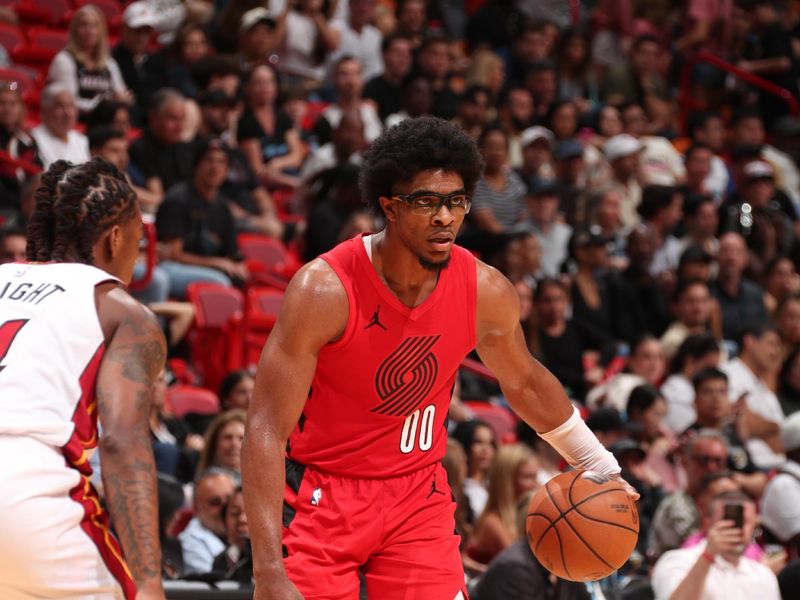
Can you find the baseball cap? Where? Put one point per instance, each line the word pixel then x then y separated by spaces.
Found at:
pixel 790 432
pixel 532 134
pixel 620 146
pixel 568 149
pixel 758 169
pixel 254 16
pixel 591 236
pixel 540 187
pixel 627 446
pixel 139 14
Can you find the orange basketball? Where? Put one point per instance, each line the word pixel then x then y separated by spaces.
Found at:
pixel 582 526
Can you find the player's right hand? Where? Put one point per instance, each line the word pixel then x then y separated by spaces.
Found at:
pixel 278 588
pixel 724 538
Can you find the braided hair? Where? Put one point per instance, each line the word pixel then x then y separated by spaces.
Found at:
pixel 75 204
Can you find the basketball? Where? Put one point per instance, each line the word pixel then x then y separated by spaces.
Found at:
pixel 582 526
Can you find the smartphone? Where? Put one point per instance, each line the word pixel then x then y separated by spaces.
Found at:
pixel 735 513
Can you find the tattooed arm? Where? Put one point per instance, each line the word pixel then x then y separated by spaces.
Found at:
pixel 135 354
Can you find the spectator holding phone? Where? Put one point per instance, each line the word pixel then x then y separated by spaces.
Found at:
pixel 718 568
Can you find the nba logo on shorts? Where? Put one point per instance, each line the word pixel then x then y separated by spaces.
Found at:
pixel 316 496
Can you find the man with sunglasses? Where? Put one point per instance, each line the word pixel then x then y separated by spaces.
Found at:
pixel 202 540
pixel 352 391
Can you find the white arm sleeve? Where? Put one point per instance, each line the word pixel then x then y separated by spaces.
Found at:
pixel 580 448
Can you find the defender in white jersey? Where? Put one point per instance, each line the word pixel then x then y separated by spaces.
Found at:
pixel 76 349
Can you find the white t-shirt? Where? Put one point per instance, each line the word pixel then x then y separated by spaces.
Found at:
pixel 477 495
pixel 716 184
pixel 51 148
pixel 298 48
pixel 678 391
pixel 365 45
pixel 780 508
pixel 762 401
pixel 747 580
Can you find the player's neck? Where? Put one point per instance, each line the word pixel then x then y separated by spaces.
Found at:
pixel 401 270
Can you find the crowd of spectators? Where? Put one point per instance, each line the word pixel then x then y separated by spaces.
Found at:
pixel 645 205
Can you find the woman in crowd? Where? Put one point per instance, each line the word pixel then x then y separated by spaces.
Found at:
pixel 697 352
pixel 513 473
pixel 188 50
pixel 478 440
pixel 577 81
pixel 85 66
pixel 780 282
pixel 236 390
pixel 488 70
pixel 223 442
pixel 646 364
pixel 498 202
pixel 266 134
pixel 646 410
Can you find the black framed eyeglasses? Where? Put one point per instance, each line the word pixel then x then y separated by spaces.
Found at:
pixel 430 203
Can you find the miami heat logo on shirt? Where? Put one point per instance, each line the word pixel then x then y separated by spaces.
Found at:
pixel 406 376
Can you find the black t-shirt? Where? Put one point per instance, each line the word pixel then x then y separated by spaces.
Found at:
pixel 563 355
pixel 93 82
pixel 272 145
pixel 773 41
pixel 171 164
pixel 738 457
pixel 388 97
pixel 206 227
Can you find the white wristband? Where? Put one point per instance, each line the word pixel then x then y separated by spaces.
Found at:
pixel 580 448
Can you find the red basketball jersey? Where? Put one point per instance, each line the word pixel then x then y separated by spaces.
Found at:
pixel 378 402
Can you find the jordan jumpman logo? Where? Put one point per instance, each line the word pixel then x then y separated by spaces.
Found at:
pixel 376 320
pixel 433 488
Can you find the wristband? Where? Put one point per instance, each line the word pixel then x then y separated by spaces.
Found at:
pixel 578 445
pixel 708 556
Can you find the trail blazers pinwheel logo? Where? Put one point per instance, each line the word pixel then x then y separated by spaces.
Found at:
pixel 406 377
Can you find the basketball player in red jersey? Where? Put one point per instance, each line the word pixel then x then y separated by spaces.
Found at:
pixel 347 426
pixel 75 348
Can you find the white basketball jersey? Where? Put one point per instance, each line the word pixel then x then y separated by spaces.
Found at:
pixel 51 344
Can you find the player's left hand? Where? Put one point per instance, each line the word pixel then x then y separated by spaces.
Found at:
pixel 628 487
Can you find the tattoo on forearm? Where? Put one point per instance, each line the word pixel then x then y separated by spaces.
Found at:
pixel 142 360
pixel 130 486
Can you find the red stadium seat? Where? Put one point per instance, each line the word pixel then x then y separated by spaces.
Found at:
pixel 10 36
pixel 44 12
pixel 42 45
pixel 185 399
pixel 215 340
pixel 267 255
pixel 501 420
pixel 263 307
